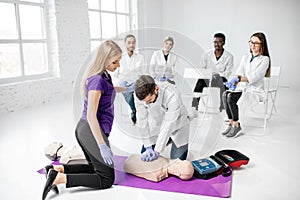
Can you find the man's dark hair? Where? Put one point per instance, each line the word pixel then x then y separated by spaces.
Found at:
pixel 220 35
pixel 144 86
pixel 129 36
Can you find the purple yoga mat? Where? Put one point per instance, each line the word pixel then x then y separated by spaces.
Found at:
pixel 218 187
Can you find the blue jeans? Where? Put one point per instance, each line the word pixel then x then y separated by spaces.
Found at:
pixel 176 152
pixel 130 100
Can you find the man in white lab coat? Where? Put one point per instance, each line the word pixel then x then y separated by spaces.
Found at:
pixel 132 65
pixel 162 119
pixel 221 63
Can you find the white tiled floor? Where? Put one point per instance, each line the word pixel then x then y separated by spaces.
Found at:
pixel 272 172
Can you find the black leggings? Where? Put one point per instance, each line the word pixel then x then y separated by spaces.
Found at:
pixel 230 100
pixel 96 174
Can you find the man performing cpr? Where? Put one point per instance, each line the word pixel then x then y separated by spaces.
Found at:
pixel 162 119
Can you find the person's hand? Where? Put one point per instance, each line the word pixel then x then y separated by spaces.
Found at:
pixel 106 154
pixel 149 155
pixel 234 80
pixel 130 87
pixel 230 86
pixel 124 83
pixel 161 78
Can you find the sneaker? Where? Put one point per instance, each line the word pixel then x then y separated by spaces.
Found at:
pixel 227 130
pixel 234 131
pixel 133 117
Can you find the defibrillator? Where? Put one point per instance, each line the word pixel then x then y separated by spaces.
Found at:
pixel 221 163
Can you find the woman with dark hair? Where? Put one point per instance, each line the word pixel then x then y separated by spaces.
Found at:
pixel 248 77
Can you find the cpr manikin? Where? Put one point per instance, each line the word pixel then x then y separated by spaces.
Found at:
pixel 71 155
pixel 158 169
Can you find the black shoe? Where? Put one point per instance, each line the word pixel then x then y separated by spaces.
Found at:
pixel 133 117
pixel 46 170
pixel 48 186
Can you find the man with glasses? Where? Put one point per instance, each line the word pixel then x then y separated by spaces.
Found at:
pixel 221 63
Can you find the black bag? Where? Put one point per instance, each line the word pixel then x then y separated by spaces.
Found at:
pixel 220 163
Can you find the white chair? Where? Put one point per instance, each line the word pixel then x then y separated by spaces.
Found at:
pixel 209 100
pixel 209 94
pixel 271 87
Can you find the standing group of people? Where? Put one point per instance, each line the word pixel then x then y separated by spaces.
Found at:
pixel 156 105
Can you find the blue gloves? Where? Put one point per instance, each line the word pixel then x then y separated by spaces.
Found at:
pixel 162 78
pixel 234 80
pixel 231 85
pixel 129 87
pixel 124 84
pixel 106 154
pixel 149 155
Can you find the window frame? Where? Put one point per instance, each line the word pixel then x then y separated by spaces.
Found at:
pixel 116 13
pixel 20 41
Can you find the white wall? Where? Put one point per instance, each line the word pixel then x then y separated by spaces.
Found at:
pixel 200 19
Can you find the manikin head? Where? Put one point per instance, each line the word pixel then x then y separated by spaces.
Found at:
pixel 52 150
pixel 181 168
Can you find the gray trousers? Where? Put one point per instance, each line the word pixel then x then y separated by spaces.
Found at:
pixel 96 174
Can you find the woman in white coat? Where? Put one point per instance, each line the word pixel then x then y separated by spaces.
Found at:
pixel 162 119
pixel 163 62
pixel 249 77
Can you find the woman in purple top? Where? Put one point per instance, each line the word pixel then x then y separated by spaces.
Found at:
pixel 93 128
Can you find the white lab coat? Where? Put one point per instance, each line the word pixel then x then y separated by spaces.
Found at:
pixel 166 117
pixel 255 72
pixel 223 66
pixel 160 67
pixel 130 68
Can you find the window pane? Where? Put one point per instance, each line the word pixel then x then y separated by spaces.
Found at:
pixel 9 61
pixel 94 20
pixel 93 4
pixel 108 25
pixel 122 6
pixel 31 18
pixel 94 45
pixel 8 27
pixel 34 58
pixel 108 5
pixel 123 23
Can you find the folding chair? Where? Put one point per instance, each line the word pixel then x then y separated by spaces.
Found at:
pixel 271 87
pixel 197 73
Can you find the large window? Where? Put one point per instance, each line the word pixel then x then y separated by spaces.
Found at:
pixel 23 43
pixel 110 18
